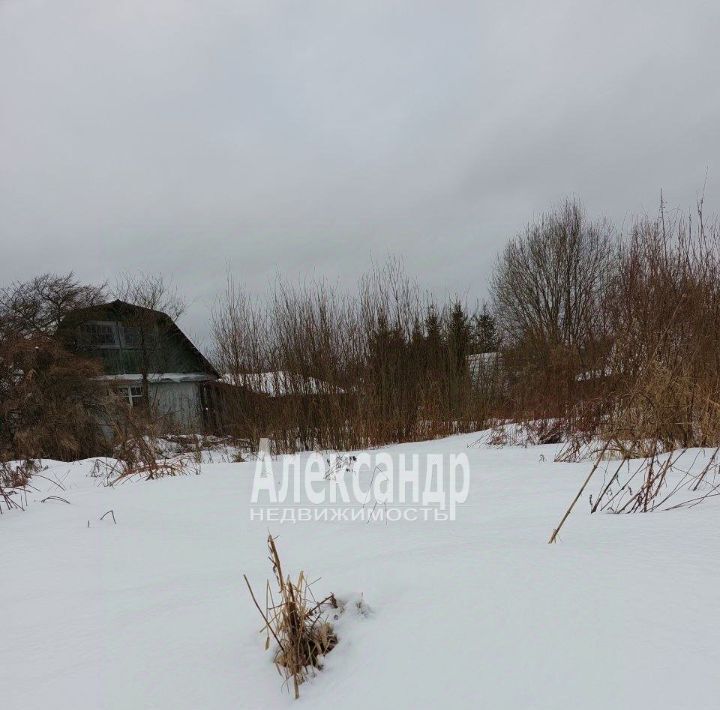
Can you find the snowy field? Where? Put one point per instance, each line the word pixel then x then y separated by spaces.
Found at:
pixel 153 612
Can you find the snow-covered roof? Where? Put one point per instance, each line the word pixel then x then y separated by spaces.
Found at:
pixel 158 377
pixel 279 383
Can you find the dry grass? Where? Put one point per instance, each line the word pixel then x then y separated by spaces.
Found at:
pixel 14 481
pixel 117 471
pixel 297 622
pixel 658 482
pixel 138 451
pixel 653 483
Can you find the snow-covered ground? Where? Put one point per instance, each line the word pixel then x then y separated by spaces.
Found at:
pixel 153 612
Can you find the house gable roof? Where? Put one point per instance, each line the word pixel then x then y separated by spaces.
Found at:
pixel 124 312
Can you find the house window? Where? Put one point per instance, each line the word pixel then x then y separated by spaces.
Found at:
pixel 131 336
pixel 98 334
pixel 132 394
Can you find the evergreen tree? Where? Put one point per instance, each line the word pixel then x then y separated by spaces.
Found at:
pixel 485 331
pixel 459 338
pixel 433 340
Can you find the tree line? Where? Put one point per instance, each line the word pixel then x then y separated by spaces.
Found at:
pixel 600 332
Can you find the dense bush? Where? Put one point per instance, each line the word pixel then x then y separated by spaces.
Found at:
pixel 382 364
pixel 617 335
pixel 50 407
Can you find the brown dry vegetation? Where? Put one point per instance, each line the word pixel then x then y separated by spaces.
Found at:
pixel 595 334
pixel 349 370
pixel 296 621
pixel 49 404
pixel 641 365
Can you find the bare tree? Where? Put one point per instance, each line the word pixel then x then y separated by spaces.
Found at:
pixel 36 307
pixel 240 336
pixel 150 291
pixel 548 282
pixel 152 294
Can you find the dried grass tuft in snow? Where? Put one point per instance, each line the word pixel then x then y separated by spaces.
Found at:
pixel 140 452
pixel 660 482
pixel 654 482
pixel 297 622
pixel 14 479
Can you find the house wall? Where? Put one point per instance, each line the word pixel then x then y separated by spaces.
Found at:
pixel 178 401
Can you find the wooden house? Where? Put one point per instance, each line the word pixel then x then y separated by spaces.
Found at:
pixel 146 358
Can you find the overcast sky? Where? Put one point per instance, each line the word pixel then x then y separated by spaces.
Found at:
pixel 307 138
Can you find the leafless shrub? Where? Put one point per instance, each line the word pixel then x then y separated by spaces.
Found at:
pixel 630 355
pixel 315 367
pixel 50 405
pixel 297 622
pixel 663 306
pixel 139 451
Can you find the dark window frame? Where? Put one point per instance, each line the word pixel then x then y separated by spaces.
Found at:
pixel 94 334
